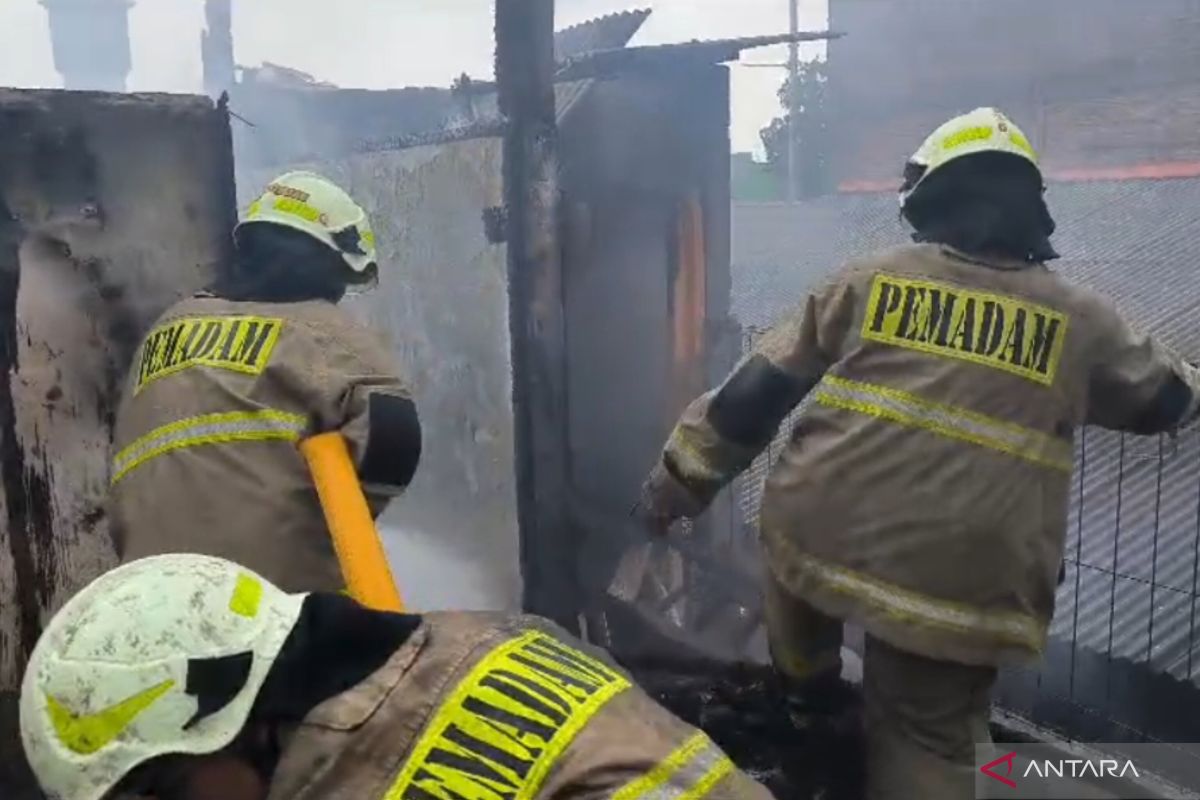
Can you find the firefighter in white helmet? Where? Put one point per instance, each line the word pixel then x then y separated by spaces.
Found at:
pixel 923 493
pixel 186 677
pixel 227 383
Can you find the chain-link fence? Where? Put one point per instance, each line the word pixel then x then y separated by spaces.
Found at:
pixel 1124 655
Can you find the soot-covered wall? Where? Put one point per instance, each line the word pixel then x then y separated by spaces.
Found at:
pixel 645 163
pixel 111 207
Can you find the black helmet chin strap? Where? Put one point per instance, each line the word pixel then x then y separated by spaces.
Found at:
pixel 985 204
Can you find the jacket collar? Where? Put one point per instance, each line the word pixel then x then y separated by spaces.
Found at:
pixel 352 708
pixel 992 262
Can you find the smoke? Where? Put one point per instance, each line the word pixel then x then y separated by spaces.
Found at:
pixel 434 576
pixel 426 44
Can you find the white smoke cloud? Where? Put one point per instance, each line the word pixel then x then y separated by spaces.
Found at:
pixel 389 43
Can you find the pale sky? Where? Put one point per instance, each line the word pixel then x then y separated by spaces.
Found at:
pixel 381 44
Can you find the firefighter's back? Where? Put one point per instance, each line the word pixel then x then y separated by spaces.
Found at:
pixel 205 451
pixel 925 488
pixel 497 705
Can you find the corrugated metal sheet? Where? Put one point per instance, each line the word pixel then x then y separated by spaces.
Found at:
pixel 1134 534
pixel 488 124
pixel 398 119
pixel 608 63
pixel 603 33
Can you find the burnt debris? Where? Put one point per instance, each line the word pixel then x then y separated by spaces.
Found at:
pixel 743 708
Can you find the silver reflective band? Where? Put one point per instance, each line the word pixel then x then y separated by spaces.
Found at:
pixel 908 605
pixel 238 426
pixel 691 459
pixel 956 423
pixel 689 773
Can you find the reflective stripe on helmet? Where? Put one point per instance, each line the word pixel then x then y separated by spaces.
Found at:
pixel 311 204
pixel 984 130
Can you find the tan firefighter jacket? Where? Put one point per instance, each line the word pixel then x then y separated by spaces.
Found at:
pixel 493 707
pixel 205 451
pixel 924 490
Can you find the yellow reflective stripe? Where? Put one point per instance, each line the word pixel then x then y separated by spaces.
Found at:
pixel 910 607
pixel 240 426
pixel 1023 143
pixel 304 211
pixel 906 408
pixel 689 773
pixel 506 724
pixel 966 136
pixel 690 458
pixel 983 133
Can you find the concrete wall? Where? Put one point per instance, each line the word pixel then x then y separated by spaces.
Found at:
pixel 111 207
pixel 442 302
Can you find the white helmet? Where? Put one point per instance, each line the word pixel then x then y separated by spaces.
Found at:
pixel 311 204
pixel 984 130
pixel 107 687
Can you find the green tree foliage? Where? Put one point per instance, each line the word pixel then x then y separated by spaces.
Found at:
pixel 809 104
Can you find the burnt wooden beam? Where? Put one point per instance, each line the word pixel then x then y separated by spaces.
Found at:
pixel 525 79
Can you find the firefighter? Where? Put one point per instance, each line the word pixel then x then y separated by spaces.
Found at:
pixel 228 381
pixel 187 676
pixel 923 491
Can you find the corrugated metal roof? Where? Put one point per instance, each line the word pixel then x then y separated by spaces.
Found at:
pixel 488 122
pixel 603 33
pixel 1137 499
pixel 605 63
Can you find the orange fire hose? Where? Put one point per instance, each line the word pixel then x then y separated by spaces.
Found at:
pixel 359 549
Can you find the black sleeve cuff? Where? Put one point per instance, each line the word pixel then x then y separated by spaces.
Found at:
pixel 393 448
pixel 1166 410
pixel 747 410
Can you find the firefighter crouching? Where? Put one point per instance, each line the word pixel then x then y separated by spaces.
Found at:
pixel 186 676
pixel 228 382
pixel 923 494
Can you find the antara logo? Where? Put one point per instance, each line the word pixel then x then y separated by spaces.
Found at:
pixel 1059 768
pixel 1081 768
pixel 987 769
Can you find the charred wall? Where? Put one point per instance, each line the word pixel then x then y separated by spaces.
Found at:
pixel 111 207
pixel 646 281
